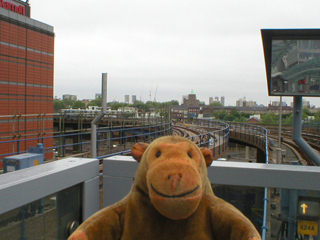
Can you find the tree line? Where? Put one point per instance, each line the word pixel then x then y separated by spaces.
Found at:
pixel 223 115
pixel 68 103
pixel 266 118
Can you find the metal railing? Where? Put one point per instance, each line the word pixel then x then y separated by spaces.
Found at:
pixel 119 172
pixel 114 140
pixel 216 139
pixel 219 136
pixel 24 186
pixel 255 135
pixel 78 142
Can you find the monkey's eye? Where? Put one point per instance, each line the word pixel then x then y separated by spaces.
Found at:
pixel 190 155
pixel 158 154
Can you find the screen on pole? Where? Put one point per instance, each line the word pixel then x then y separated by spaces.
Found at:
pixel 293 63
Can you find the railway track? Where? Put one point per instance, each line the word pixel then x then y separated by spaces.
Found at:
pixel 189 132
pixel 180 132
pixel 198 134
pixel 312 139
pixel 311 136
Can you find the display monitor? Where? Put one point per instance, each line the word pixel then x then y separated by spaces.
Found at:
pixel 292 61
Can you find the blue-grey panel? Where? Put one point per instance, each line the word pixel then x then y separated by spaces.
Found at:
pixel 115 188
pixel 120 166
pixel 265 175
pixel 91 197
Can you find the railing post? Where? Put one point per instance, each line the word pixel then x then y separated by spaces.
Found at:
pixel 214 144
pixel 219 144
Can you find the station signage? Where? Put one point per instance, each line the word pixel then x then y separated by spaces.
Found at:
pixel 308 227
pixel 308 215
pixel 12 7
pixel 309 207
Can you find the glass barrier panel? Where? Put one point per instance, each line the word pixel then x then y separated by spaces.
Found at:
pixel 46 218
pixel 36 220
pixel 249 200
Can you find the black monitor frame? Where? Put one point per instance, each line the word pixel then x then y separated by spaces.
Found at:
pixel 268 35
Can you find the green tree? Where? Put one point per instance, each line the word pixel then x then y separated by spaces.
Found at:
pixel 269 118
pixel 216 104
pixel 317 116
pixel 234 113
pixel 287 119
pixel 138 104
pixel 150 104
pixel 173 103
pixel 96 102
pixel 306 113
pixel 68 102
pixel 220 114
pixel 117 105
pixel 242 119
pixel 228 117
pixel 58 105
pixel 78 104
pixel 245 115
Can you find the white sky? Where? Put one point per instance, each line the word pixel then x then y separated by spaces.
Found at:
pixel 213 47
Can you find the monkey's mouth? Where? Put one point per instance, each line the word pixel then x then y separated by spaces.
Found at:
pixel 174 196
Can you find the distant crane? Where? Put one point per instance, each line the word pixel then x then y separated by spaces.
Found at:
pixel 155 94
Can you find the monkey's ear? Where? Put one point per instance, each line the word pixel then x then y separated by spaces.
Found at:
pixel 138 149
pixel 208 155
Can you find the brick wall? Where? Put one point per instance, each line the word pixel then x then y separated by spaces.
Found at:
pixel 26 85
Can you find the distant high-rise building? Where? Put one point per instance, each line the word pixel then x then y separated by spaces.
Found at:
pixel 133 98
pixel 242 102
pixel 223 101
pixel 216 99
pixel 126 98
pixel 250 103
pixel 305 103
pixel 97 95
pixel 277 103
pixel 70 96
pixel 210 100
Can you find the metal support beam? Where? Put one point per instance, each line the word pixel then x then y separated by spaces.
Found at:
pixel 99 117
pixel 297 129
pixel 279 150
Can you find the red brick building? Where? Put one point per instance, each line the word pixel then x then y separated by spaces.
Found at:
pixel 26 79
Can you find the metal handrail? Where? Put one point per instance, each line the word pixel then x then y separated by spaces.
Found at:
pixel 222 130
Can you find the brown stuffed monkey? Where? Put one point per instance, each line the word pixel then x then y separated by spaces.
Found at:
pixel 171 198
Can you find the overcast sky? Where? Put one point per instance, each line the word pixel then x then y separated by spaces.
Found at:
pixel 168 47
